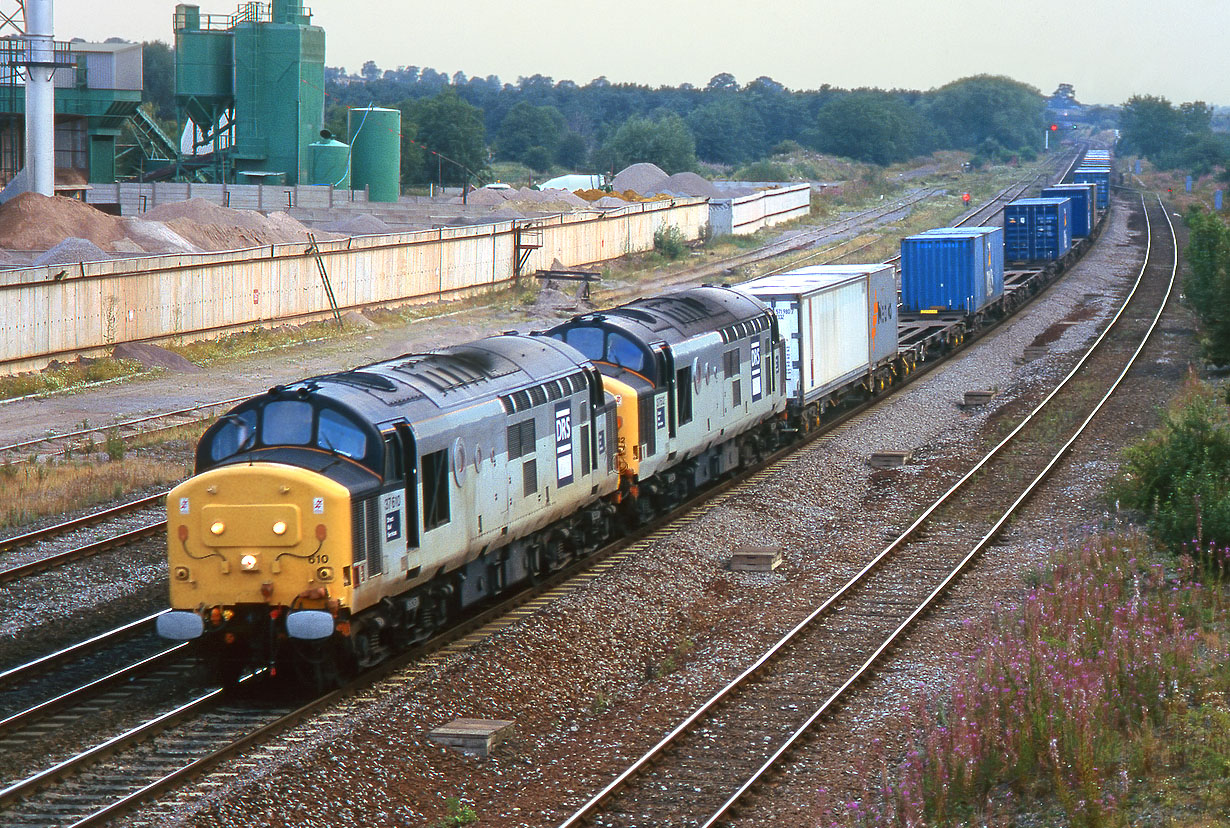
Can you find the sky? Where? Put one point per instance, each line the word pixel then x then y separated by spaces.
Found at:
pixel 1108 49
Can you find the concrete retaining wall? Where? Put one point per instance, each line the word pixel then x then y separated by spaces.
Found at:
pixel 59 311
pixel 765 208
pixel 135 198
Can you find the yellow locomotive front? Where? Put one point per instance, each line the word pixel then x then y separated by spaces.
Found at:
pixel 258 554
pixel 260 542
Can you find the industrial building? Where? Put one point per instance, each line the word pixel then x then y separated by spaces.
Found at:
pixel 97 88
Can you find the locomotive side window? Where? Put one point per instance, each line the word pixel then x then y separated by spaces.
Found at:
pixel 434 468
pixel 337 433
pixel 235 433
pixel 730 362
pixel 286 423
pixel 683 389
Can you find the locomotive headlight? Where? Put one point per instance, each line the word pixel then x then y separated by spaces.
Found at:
pixel 279 528
pixel 325 573
pixel 182 573
pixel 218 527
pixel 247 563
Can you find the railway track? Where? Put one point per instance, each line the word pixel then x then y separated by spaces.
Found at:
pixel 720 757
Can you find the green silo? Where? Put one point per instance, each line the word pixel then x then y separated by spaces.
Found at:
pixel 329 161
pixel 279 88
pixel 375 157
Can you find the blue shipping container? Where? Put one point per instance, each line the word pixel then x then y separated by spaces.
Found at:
pixel 1095 175
pixel 952 268
pixel 1084 205
pixel 1037 229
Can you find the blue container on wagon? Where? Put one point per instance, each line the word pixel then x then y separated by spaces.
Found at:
pixel 952 268
pixel 1037 229
pixel 1095 175
pixel 1084 205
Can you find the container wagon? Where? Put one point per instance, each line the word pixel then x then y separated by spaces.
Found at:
pixel 1084 205
pixel 839 324
pixel 1037 229
pixel 1095 175
pixel 952 269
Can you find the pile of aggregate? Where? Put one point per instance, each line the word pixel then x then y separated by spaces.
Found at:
pixel 211 226
pixel 690 184
pixel 36 222
pixel 643 178
pixel 71 251
pixel 364 224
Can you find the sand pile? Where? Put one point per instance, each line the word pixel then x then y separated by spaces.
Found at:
pixel 156 237
pixel 211 226
pixel 35 222
pixel 643 177
pixel 364 224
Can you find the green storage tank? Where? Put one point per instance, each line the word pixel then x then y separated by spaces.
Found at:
pixel 329 161
pixel 375 157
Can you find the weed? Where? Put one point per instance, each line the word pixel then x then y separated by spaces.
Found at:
pixel 459 813
pixel 114 446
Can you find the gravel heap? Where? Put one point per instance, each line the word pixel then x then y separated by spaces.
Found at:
pixel 71 251
pixel 211 226
pixel 690 184
pixel 644 178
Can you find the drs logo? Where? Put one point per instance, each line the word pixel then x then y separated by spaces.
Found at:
pixel 563 443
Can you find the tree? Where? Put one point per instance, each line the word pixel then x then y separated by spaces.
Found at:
pixel 664 141
pixel 870 126
pixel 722 82
pixel 452 135
pixel 527 126
pixel 571 150
pixel 1150 125
pixel 727 131
pixel 158 78
pixel 971 110
pixel 1207 283
pixel 370 70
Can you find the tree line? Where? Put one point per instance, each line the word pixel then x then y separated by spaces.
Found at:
pixel 1174 137
pixel 603 126
pixel 454 126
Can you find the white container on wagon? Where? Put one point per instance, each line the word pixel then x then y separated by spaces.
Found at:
pixel 839 323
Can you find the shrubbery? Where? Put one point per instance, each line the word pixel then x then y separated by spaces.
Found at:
pixel 668 240
pixel 1179 475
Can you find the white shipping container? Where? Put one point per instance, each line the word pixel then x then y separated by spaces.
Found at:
pixel 834 321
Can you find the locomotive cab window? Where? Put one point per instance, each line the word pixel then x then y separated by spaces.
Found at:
pixel 286 423
pixel 235 433
pixel 336 432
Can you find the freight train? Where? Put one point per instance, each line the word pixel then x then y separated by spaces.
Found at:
pixel 334 521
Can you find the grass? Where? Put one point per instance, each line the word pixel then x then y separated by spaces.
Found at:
pixel 34 490
pixel 62 377
pixel 1101 701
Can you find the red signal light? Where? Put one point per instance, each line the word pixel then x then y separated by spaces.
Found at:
pixel 1054 127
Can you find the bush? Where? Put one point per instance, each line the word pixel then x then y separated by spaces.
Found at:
pixel 1179 475
pixel 668 240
